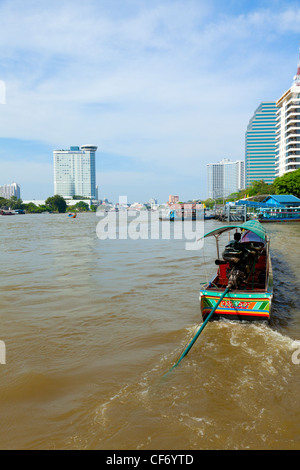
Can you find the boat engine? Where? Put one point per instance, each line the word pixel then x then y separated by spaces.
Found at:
pixel 241 258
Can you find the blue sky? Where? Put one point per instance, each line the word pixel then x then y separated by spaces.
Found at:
pixel 161 87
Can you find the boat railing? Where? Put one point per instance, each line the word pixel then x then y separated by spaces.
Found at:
pixel 278 212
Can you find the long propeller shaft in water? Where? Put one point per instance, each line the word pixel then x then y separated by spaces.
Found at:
pixel 187 349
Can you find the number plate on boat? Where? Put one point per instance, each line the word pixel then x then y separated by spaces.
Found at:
pixel 232 304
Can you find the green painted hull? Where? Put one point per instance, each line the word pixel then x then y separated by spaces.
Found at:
pixel 248 305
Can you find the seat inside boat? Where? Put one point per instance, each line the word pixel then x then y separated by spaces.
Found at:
pixel 255 274
pixel 253 282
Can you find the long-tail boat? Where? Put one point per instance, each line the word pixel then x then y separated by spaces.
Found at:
pixel 245 271
pixel 242 288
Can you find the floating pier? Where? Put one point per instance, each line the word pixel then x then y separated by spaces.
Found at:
pixel 231 213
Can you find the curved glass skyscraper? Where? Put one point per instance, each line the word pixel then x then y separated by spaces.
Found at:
pixel 260 144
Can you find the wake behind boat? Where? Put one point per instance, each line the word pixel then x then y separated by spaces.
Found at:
pixel 245 270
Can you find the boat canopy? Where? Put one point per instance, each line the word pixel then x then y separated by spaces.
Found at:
pixel 251 225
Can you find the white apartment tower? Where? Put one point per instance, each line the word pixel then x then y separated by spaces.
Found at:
pixel 75 172
pixel 224 178
pixel 9 190
pixel 288 129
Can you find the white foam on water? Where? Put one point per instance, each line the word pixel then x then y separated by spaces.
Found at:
pixel 240 330
pixel 102 409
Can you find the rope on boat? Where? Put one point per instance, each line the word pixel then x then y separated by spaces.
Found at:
pixel 187 349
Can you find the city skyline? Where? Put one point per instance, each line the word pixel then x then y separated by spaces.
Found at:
pixel 161 89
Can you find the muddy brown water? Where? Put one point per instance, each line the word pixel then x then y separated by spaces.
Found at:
pixel 90 326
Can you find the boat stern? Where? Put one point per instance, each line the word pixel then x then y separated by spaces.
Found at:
pixel 236 305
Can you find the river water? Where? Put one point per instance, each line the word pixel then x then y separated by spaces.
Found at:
pixel 90 327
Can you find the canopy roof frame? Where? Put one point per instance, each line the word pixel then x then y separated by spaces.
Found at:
pixel 251 225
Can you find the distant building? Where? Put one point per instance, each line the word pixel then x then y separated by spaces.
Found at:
pixel 260 144
pixel 224 178
pixel 173 199
pixel 9 190
pixel 152 201
pixel 37 202
pixel 286 200
pixel 288 129
pixel 240 174
pixel 75 172
pixel 73 202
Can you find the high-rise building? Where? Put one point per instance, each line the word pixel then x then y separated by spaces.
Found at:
pixel 9 190
pixel 75 172
pixel 224 178
pixel 288 129
pixel 260 144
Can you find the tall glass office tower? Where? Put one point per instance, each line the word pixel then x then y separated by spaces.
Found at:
pixel 75 172
pixel 260 144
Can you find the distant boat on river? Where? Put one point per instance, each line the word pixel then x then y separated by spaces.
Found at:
pixel 279 214
pixel 183 212
pixel 5 212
